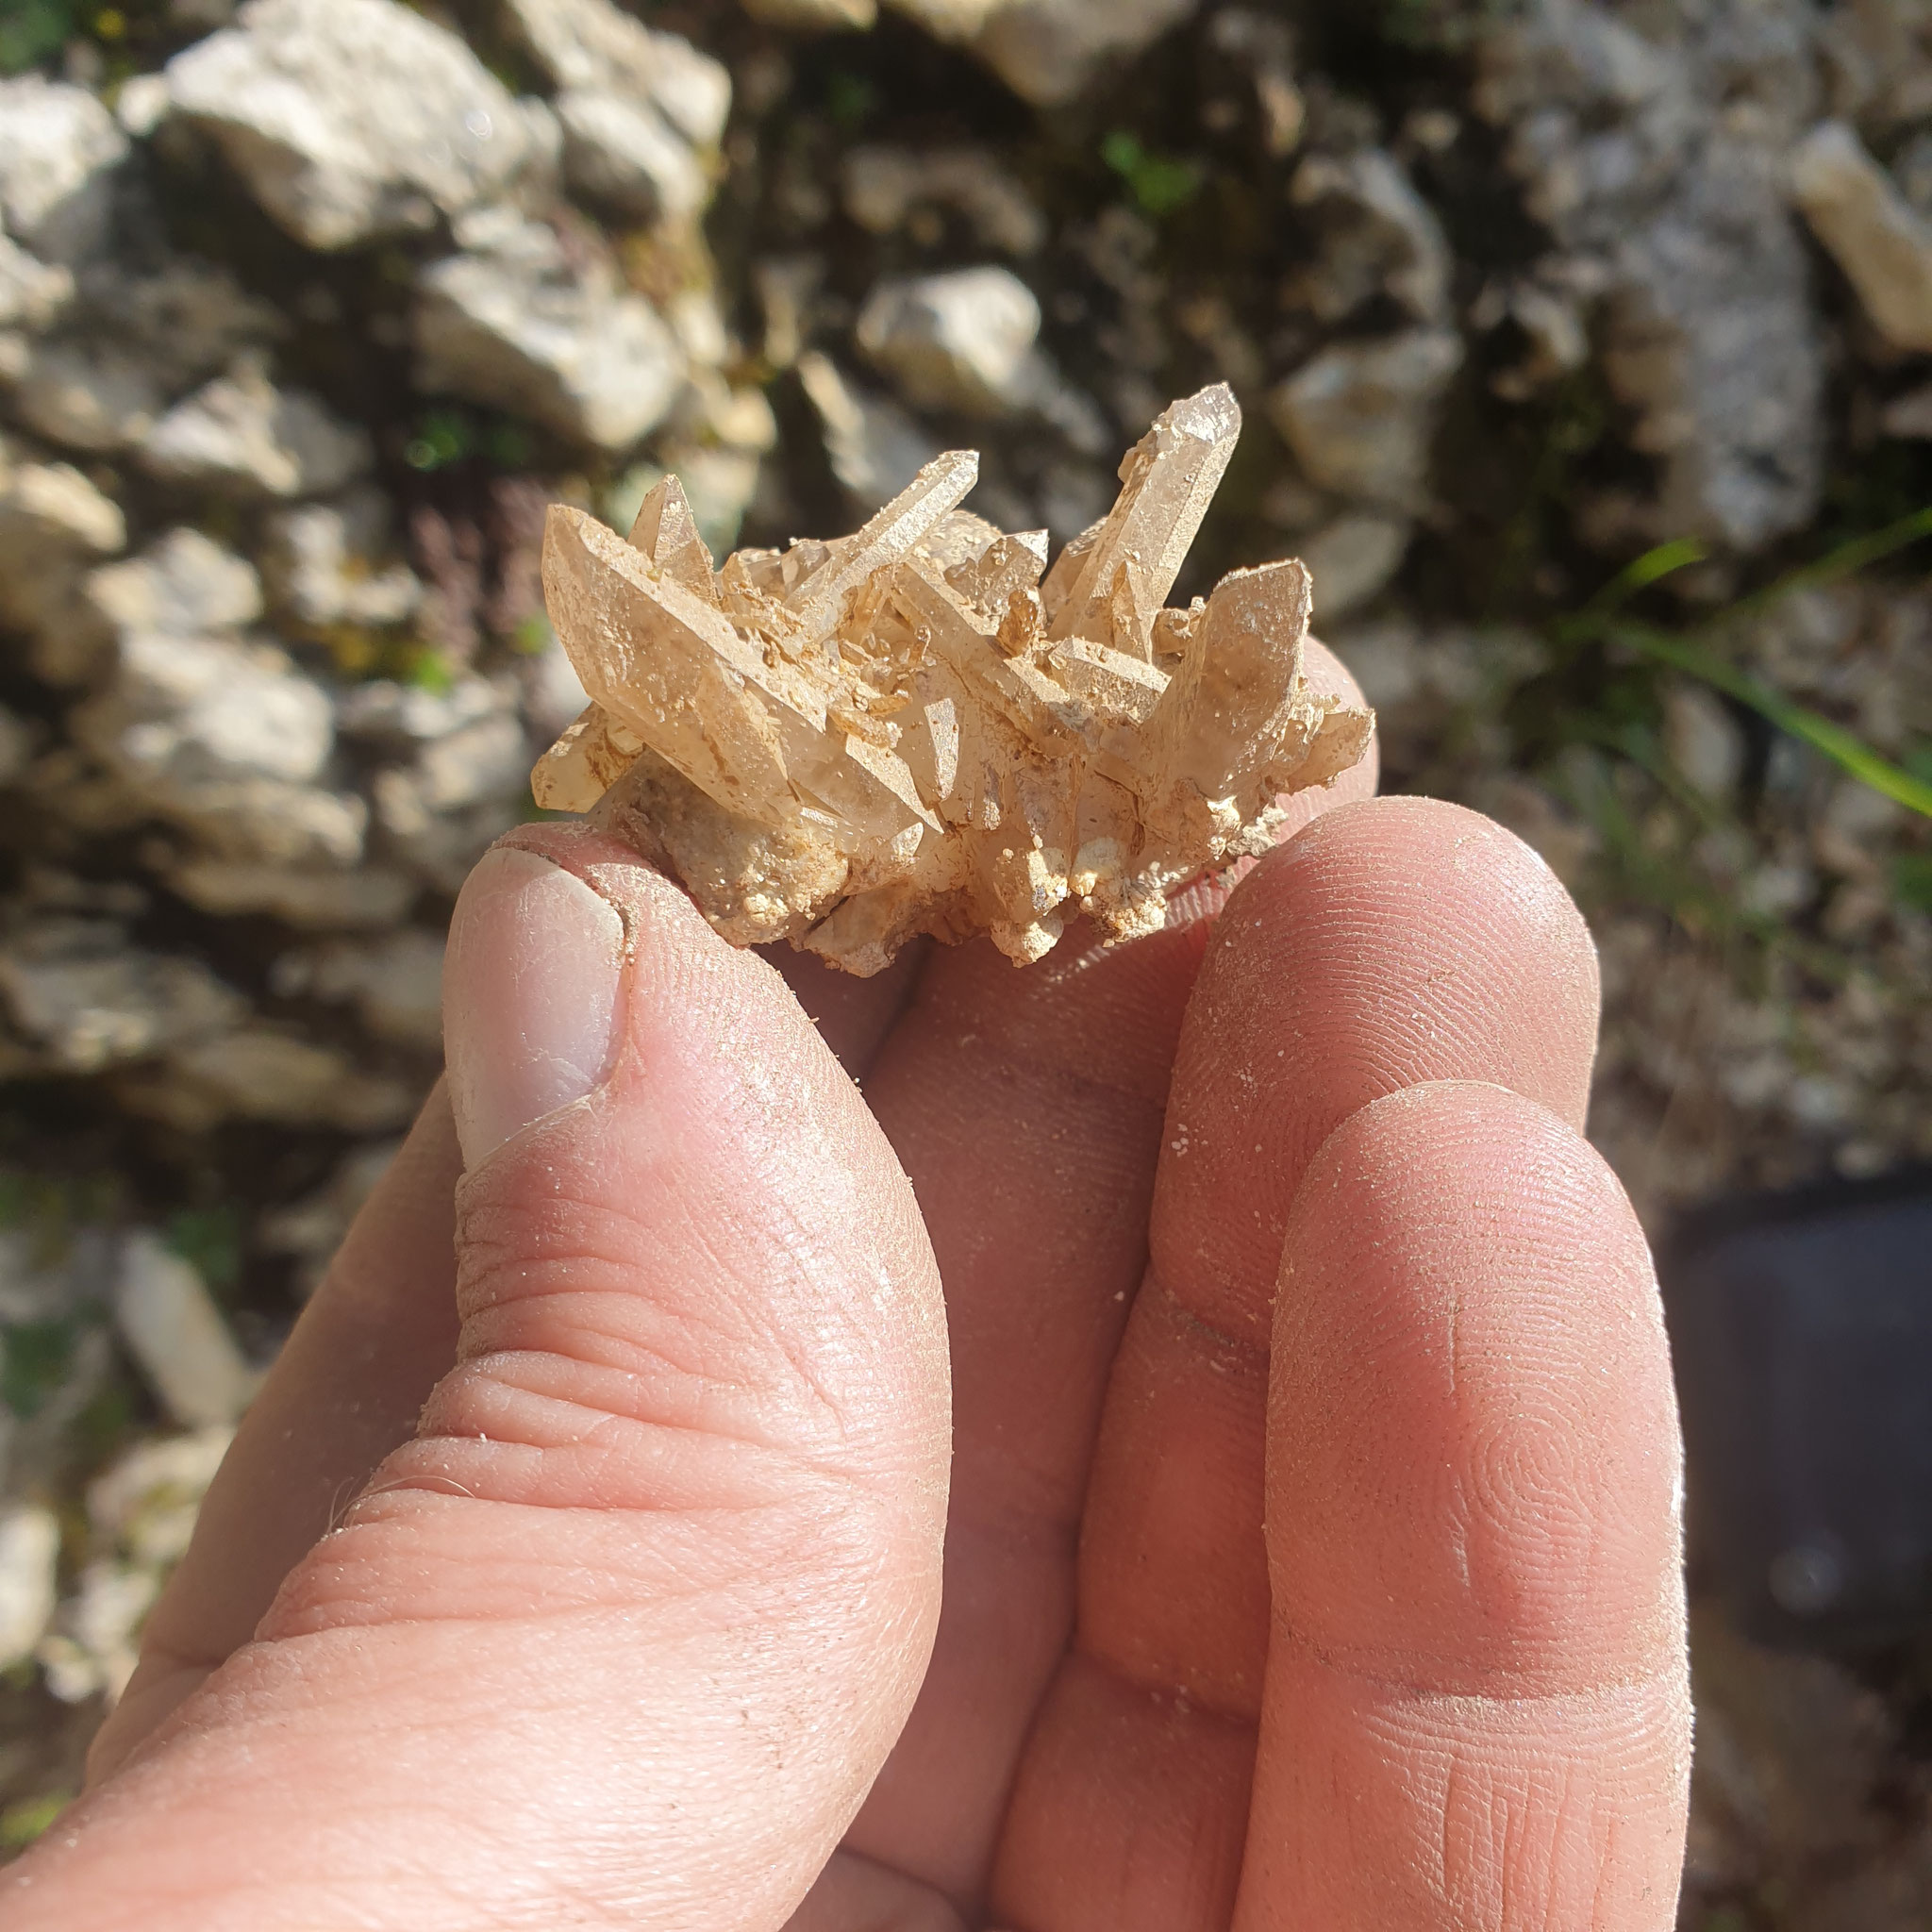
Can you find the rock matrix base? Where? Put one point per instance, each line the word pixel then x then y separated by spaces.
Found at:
pixel 921 728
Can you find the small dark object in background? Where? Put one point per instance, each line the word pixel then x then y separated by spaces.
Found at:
pixel 1802 1327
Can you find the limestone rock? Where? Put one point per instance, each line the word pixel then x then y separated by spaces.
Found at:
pixel 90 396
pixel 87 999
pixel 921 729
pixel 394 983
pixel 814 15
pixel 624 153
pixel 1881 241
pixel 32 293
pixel 352 119
pixel 1709 325
pixel 1047 51
pixel 1377 235
pixel 57 148
pixel 966 340
pixel 527 329
pixel 1352 558
pixel 888 187
pixel 1359 417
pixel 29 1554
pixel 242 435
pixel 593 45
pixel 326 565
pixel 171 1325
pixel 641 111
pixel 183 583
pixel 229 740
pixel 54 525
pixel 875 447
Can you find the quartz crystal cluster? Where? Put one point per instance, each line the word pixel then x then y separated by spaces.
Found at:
pixel 921 728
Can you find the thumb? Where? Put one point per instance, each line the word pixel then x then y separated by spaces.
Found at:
pixel 624 1635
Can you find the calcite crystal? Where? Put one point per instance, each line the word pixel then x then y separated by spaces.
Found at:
pixel 921 728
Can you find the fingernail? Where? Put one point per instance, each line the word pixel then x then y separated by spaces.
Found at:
pixel 529 997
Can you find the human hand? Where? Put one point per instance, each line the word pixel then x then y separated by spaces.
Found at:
pixel 1287 1220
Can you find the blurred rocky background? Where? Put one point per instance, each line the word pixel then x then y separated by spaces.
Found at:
pixel 1587 354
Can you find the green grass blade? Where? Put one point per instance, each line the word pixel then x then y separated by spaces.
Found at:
pixel 1844 748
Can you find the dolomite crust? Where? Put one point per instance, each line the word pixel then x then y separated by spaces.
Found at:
pixel 922 729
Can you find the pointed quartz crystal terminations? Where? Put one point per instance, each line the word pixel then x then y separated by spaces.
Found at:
pixel 921 728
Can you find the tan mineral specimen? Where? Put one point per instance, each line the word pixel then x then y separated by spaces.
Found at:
pixel 922 729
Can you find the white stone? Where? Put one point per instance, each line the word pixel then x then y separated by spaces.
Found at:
pixel 57 148
pixel 1352 558
pixel 591 44
pixel 622 152
pixel 1882 243
pixel 326 565
pixel 32 293
pixel 1360 416
pixel 1047 51
pixel 352 119
pixel 89 1000
pixel 145 1503
pixel 315 901
pixel 184 584
pixel 29 1556
pixel 54 525
pixel 184 708
pixel 172 1328
pixel 886 186
pixel 242 435
pixel 265 1072
pixel 1702 739
pixel 394 983
pixel 93 396
pixel 1378 236
pixel 814 15
pixel 875 447
pixel 142 104
pixel 525 331
pixel 966 340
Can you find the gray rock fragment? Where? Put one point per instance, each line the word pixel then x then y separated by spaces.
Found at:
pixel 242 435
pixel 59 147
pixel 311 899
pixel 326 565
pixel 875 447
pixel 1047 51
pixel 888 189
pixel 93 396
pixel 54 525
pixel 966 340
pixel 1710 334
pixel 352 119
pixel 87 999
pixel 225 740
pixel 593 45
pixel 1352 558
pixel 1378 236
pixel 1881 241
pixel 524 330
pixel 29 1554
pixel 180 1339
pixel 32 293
pixel 1360 416
pixel 184 584
pixel 394 983
pixel 814 15
pixel 641 112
